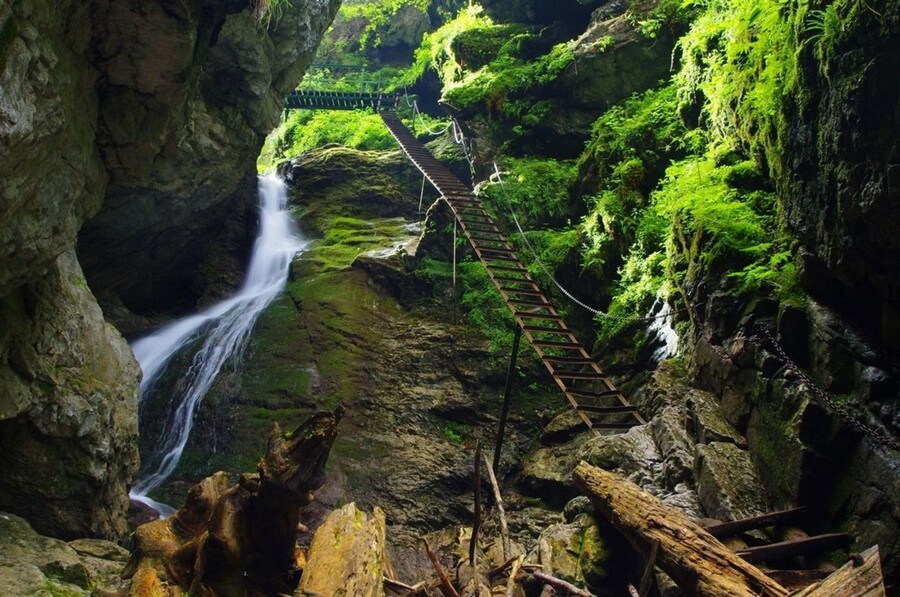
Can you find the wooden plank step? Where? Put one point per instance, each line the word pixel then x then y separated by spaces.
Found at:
pixel 587 394
pixel 527 315
pixel 504 268
pixel 495 239
pixel 518 301
pixel 527 291
pixel 520 280
pixel 734 527
pixel 607 410
pixel 555 344
pixel 578 375
pixel 481 254
pixel 539 329
pixel 617 426
pixel 483 245
pixel 480 228
pixel 803 546
pixel 569 360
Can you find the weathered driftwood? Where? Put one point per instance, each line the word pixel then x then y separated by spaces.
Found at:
pixel 859 578
pixel 346 556
pixel 498 500
pixel 240 539
pixel 695 560
pixel 447 586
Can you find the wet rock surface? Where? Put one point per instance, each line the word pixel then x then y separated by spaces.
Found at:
pixel 156 110
pixel 187 94
pixel 68 409
pixel 32 564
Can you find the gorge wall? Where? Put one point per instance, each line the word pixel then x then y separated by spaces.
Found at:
pixel 150 116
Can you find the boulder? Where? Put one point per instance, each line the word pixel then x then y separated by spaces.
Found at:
pixel 547 471
pixel 728 483
pixel 31 564
pixel 68 408
pixel 706 421
pixel 573 551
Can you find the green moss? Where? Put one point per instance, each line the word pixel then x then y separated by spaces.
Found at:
pixel 536 189
pixel 303 130
pixel 9 31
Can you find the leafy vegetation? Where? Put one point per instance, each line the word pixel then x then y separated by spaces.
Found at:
pixel 303 130
pixel 538 190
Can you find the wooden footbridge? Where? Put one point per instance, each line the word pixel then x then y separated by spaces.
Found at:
pixel 311 99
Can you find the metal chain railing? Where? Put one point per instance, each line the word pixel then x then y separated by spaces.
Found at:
pixel 827 400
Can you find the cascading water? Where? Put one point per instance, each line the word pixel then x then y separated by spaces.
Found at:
pixel 221 332
pixel 661 331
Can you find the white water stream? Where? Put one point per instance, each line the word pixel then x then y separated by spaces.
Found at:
pixel 221 331
pixel 661 330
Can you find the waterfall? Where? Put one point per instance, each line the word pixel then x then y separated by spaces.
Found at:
pixel 221 331
pixel 661 332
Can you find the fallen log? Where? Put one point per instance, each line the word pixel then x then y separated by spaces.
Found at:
pixel 695 560
pixel 860 577
pixel 346 556
pixel 239 539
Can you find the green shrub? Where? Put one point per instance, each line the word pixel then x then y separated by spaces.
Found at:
pixel 303 130
pixel 539 190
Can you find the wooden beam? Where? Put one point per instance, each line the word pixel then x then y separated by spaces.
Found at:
pixel 734 527
pixel 861 577
pixel 693 558
pixel 796 547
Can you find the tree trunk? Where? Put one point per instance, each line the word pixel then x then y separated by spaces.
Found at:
pixel 239 540
pixel 861 578
pixel 695 560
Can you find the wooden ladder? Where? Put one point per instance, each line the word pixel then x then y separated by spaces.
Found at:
pixel 588 390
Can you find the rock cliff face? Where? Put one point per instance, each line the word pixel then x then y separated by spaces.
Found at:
pixel 841 170
pixel 187 93
pixel 156 110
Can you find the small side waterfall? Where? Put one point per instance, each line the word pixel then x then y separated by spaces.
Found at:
pixel 221 331
pixel 661 331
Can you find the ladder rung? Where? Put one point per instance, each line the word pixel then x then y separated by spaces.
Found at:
pixel 480 252
pixel 526 315
pixel 527 291
pixel 613 425
pixel 578 375
pixel 518 301
pixel 495 242
pixel 539 329
pixel 620 409
pixel 479 228
pixel 554 344
pixel 488 239
pixel 503 251
pixel 519 280
pixel 505 268
pixel 593 395
pixel 569 360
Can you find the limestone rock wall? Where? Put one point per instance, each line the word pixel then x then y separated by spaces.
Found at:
pixel 155 110
pixel 841 174
pixel 68 408
pixel 187 93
